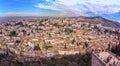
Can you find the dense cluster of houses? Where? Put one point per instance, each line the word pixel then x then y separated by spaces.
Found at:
pixel 48 37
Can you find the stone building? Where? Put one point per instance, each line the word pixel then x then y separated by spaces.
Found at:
pixel 105 59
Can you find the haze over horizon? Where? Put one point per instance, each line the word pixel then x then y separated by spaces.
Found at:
pixel 109 9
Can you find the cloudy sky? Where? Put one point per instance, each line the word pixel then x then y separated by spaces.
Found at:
pixel 106 8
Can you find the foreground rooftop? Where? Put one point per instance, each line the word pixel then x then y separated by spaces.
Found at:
pixel 108 58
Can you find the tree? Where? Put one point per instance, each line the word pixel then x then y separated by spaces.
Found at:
pixel 56 24
pixel 73 41
pixel 85 60
pixel 13 33
pixel 65 46
pixel 24 32
pixel 37 47
pixel 116 50
pixel 17 41
pixel 47 47
pixel 41 24
pixel 68 30
pixel 86 44
pixel 108 47
pixel 0 32
pixel 1 57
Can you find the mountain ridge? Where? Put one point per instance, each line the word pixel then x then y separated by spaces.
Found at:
pixel 102 20
pixel 93 20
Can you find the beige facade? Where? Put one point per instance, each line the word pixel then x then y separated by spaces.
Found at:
pixel 67 52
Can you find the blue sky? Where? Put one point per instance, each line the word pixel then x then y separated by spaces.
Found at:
pixel 107 8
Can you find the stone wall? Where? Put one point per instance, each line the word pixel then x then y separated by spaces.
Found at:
pixel 96 61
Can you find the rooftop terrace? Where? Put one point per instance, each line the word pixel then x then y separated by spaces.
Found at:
pixel 108 58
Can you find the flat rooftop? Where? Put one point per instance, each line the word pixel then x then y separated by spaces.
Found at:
pixel 108 58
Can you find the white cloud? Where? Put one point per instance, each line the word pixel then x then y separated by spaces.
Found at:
pixel 78 7
pixel 68 3
pixel 104 2
pixel 47 7
pixel 64 9
pixel 47 0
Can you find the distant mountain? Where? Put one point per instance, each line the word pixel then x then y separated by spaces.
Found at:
pixel 15 18
pixel 100 20
pixel 92 20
